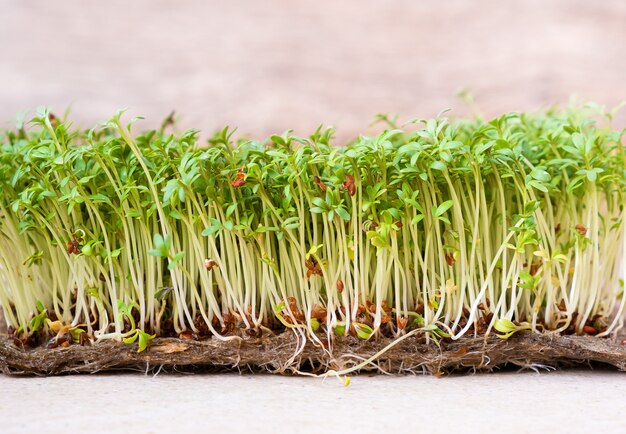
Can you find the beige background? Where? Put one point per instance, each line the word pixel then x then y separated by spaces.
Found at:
pixel 266 66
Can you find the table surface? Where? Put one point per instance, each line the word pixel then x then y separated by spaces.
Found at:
pixel 562 401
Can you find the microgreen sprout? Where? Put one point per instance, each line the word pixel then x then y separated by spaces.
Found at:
pixel 508 328
pixel 441 230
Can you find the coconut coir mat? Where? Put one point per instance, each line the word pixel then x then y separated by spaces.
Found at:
pixel 286 354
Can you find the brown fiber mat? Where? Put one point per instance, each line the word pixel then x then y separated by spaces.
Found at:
pixel 279 354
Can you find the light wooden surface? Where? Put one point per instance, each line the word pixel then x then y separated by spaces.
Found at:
pixel 272 65
pixel 550 402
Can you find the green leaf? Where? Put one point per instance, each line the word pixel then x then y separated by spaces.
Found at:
pixel 540 175
pixel 340 330
pixel 538 185
pixel 123 308
pixel 441 209
pixel 432 328
pixel 144 339
pixel 161 246
pixel 87 249
pixel 418 218
pixel 418 321
pixel 279 308
pixel 75 333
pixel 527 281
pixel 154 252
pixel 313 250
pixel 130 339
pixel 278 140
pixel 363 331
pixel 531 206
pixel 211 230
pixel 343 213
pixel 438 165
pixel 508 328
pixel 231 209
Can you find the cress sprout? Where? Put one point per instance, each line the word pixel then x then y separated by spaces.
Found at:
pixel 459 226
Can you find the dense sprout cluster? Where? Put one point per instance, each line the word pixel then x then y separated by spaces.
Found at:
pixel 443 228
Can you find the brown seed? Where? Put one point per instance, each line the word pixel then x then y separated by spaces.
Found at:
pixel 590 330
pixel 54 342
pixel 319 313
pixel 461 351
pixel 187 335
pixel 450 259
pixel 349 185
pixel 401 322
pixel 319 183
pixel 313 268
pixel 385 307
pixel 251 332
pixel 54 121
pixel 169 120
pixel 73 248
pixel 340 286
pixel 84 339
pixel 581 229
pixel 293 304
pixel 240 178
pixel 534 268
pixel 209 264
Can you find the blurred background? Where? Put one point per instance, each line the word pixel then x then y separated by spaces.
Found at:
pixel 272 65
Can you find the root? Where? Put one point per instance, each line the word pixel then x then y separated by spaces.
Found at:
pixel 285 354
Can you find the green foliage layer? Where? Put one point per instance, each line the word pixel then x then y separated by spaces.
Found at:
pixel 441 228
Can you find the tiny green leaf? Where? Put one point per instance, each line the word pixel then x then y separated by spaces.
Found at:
pixel 363 331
